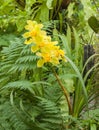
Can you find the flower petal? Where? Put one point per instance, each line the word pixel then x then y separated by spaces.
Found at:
pixel 26 35
pixel 28 41
pixel 34 48
pixel 40 63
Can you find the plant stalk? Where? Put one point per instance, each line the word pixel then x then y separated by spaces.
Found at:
pixel 65 92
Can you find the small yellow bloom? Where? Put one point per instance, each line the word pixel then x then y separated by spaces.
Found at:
pixel 40 63
pixel 46 56
pixel 32 24
pixel 26 35
pixel 28 41
pixel 34 48
pixel 55 61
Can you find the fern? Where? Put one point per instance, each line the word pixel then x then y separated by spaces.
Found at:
pixel 8 119
pixel 5 38
pixel 36 112
pixel 32 105
pixel 39 111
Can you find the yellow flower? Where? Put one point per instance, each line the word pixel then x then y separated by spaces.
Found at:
pixel 59 54
pixel 26 35
pixel 35 32
pixel 40 63
pixel 43 46
pixel 51 56
pixel 45 58
pixel 32 24
pixel 55 61
pixel 34 48
pixel 37 46
pixel 28 41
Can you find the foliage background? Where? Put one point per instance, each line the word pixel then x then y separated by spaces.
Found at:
pixel 30 97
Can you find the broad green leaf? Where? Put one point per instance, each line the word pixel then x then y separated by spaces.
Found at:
pixel 44 14
pixel 94 23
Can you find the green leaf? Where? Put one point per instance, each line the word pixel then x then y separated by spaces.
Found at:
pixel 29 3
pixel 69 36
pixel 80 78
pixel 93 126
pixel 44 15
pixel 49 4
pixel 94 24
pixel 70 10
pixel 76 43
pixel 66 45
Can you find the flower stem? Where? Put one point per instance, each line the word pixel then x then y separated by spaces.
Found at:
pixel 64 91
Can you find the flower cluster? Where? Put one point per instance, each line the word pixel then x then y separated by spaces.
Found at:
pixel 42 45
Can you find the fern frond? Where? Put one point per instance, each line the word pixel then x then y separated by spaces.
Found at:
pixel 8 119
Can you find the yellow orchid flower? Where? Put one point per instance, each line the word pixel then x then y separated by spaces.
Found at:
pixel 43 46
